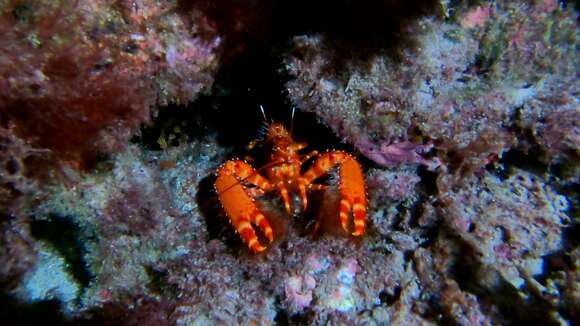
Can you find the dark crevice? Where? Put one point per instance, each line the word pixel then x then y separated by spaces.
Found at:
pixel 566 169
pixel 159 282
pixel 67 238
pixel 45 312
pixel 408 256
pixel 466 268
pixel 390 297
pixel 357 29
pixel 571 236
pixel 250 73
pixel 433 311
pixel 398 220
pixel 430 234
pixel 553 263
pixel 417 211
pixel 428 181
pixel 499 170
pixel 469 273
pixel 174 125
pixel 281 317
pixel 233 109
pixel 528 161
pixel 284 317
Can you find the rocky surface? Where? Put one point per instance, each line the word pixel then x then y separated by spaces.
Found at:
pixel 467 129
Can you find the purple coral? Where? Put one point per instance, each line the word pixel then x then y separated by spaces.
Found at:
pixel 476 17
pixel 391 155
pixel 299 291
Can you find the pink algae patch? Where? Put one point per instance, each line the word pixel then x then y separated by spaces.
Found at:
pixel 549 5
pixel 299 291
pixel 476 17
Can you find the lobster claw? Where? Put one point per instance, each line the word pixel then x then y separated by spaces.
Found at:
pixel 239 205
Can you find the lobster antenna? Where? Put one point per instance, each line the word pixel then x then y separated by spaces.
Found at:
pixel 264 114
pixel 292 121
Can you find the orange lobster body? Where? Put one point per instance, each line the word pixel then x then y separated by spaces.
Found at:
pixel 283 176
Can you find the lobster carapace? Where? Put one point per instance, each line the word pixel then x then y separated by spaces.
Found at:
pixel 238 184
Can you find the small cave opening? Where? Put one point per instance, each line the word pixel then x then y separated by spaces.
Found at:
pixel 68 240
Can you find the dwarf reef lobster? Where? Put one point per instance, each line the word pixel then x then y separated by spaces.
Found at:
pixel 283 176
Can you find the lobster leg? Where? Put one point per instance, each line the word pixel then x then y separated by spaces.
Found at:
pixel 302 193
pixel 238 203
pixel 352 190
pixel 245 172
pixel 303 185
pixel 352 187
pixel 285 197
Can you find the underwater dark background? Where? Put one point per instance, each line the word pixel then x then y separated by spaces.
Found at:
pixel 115 116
